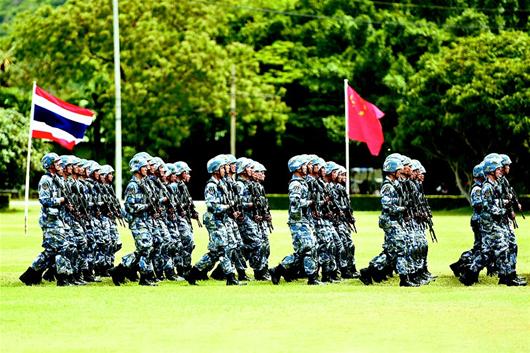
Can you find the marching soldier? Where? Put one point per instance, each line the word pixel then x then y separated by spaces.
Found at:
pixel 304 241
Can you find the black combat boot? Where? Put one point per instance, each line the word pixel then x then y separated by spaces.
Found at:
pixel 78 279
pixel 468 277
pixel 520 279
pixel 388 271
pixel 118 274
pixel 89 277
pixel 62 280
pixel 365 275
pixel 131 273
pixel 345 273
pixel 456 268
pixel 232 281
pixel 511 280
pixel 334 275
pixel 170 275
pixel 377 276
pixel 405 281
pixel 218 274
pixel 193 276
pixel 30 277
pixel 326 277
pixel 49 274
pixel 242 276
pixel 276 273
pixel 203 275
pixel 312 280
pixel 144 280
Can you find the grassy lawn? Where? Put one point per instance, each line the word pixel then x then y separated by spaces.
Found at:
pixel 293 317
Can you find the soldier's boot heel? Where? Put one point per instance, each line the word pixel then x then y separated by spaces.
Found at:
pixel 49 275
pixel 365 276
pixel 232 281
pixel 456 268
pixel 118 274
pixel 406 282
pixel 218 274
pixel 312 280
pixel 62 280
pixel 193 275
pixel 29 277
pixel 242 276
pixel 276 273
pixel 144 280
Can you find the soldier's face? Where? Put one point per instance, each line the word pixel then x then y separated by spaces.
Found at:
pixel 69 169
pixel 96 175
pixel 186 176
pixel 406 171
pixel 110 177
pixel 421 177
pixel 222 171
pixel 152 168
pixel 233 168
pixel 143 171
pixel 303 169
pixel 58 168
pixel 498 173
pixel 507 169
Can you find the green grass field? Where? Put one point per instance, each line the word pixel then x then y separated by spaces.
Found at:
pixel 346 317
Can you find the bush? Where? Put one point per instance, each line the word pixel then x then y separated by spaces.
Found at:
pixel 373 202
pixel 4 201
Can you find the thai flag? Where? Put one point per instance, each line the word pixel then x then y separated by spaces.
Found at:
pixel 56 120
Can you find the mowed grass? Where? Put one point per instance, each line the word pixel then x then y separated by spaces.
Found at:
pixel 293 317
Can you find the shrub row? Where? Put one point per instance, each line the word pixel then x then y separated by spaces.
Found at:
pixel 373 202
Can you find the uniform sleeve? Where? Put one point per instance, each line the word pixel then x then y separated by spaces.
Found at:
pixel 489 203
pixel 46 197
pixel 390 200
pixel 212 198
pixel 134 199
pixel 476 198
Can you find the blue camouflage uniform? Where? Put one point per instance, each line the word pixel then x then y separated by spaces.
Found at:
pixel 304 241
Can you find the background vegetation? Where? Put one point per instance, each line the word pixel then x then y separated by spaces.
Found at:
pixel 451 76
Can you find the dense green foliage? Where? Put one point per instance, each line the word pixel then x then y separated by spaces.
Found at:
pixel 430 67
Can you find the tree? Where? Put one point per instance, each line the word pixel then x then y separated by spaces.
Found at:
pixel 470 99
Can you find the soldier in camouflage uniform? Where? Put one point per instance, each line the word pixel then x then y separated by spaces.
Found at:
pixel 264 219
pixel 328 240
pixel 137 209
pixel 57 249
pixel 495 234
pixel 214 221
pixel 304 241
pixel 248 227
pixel 188 212
pixel 396 246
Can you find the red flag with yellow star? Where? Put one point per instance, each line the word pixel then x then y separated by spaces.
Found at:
pixel 363 121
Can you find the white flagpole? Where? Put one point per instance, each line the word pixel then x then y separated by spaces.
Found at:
pixel 346 138
pixel 117 86
pixel 28 162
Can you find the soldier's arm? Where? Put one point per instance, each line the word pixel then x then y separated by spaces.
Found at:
pixel 132 196
pixel 390 201
pixel 46 197
pixel 213 201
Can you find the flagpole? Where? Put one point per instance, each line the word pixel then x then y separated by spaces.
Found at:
pixel 117 86
pixel 346 137
pixel 28 162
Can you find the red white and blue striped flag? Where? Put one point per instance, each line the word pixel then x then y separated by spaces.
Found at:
pixel 57 120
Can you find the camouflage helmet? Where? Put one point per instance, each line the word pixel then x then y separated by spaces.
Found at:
pixel 392 165
pixel 181 167
pixel 491 164
pixel 230 158
pixel 416 165
pixel 478 170
pixel 143 155
pixel 258 167
pixel 48 159
pixel 331 166
pixel 135 164
pixel 171 169
pixel 215 163
pixel 296 163
pixel 66 160
pixel 242 163
pixel 94 166
pixel 106 169
pixel 157 162
pixel 505 159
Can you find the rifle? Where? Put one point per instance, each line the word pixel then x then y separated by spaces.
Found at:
pixel 424 210
pixel 261 204
pixel 111 202
pixel 333 208
pixel 155 208
pixel 231 198
pixel 348 212
pixel 314 195
pixel 73 206
pixel 189 206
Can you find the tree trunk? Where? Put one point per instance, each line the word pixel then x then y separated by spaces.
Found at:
pixel 454 165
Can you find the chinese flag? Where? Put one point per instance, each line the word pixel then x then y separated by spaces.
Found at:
pixel 363 122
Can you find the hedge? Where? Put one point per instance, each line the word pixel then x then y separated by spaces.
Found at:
pixel 373 202
pixel 4 201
